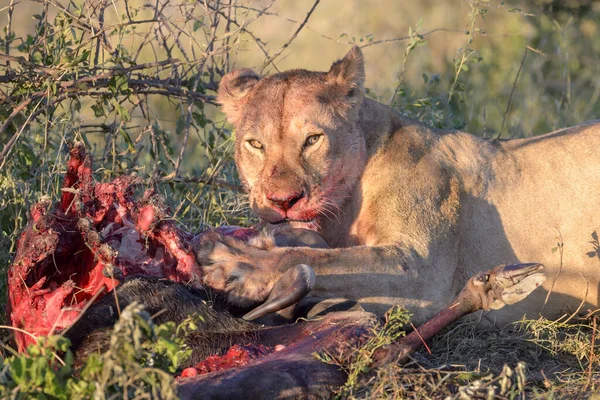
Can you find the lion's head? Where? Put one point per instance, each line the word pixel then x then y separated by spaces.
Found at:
pixel 299 151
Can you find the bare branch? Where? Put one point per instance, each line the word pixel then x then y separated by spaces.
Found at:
pixel 210 181
pixel 11 9
pixel 10 144
pixel 23 62
pixel 512 91
pixel 285 46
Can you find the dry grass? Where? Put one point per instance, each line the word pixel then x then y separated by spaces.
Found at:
pixel 531 359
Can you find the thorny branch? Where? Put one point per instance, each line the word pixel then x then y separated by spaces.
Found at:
pixel 294 35
pixel 88 54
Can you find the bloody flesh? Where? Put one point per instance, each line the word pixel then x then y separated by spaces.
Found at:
pixel 236 356
pixel 79 249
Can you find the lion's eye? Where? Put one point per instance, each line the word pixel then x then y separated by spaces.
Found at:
pixel 312 139
pixel 255 143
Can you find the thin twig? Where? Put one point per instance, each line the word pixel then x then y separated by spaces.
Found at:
pixel 190 107
pixel 512 91
pixel 560 248
pixel 12 328
pixel 28 64
pixel 212 182
pixel 421 337
pixel 285 46
pixel 590 370
pixel 242 28
pixel 144 85
pixel 404 38
pixel 8 146
pixel 11 9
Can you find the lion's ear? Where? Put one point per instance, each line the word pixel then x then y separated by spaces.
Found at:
pixel 233 88
pixel 349 73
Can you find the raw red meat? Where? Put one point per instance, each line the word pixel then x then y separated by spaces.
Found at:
pixel 80 249
pixel 236 356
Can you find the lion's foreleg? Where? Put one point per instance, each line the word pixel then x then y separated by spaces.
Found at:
pixel 377 277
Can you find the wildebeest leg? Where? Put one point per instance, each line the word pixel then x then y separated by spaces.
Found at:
pixel 489 290
pixel 295 372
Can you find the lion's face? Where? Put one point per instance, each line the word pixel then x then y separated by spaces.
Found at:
pixel 299 151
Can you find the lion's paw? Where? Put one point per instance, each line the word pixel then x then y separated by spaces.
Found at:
pixel 243 272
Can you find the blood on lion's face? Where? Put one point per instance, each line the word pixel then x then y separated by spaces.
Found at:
pixel 298 148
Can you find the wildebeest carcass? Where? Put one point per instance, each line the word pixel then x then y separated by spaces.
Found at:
pixel 100 238
pixel 293 371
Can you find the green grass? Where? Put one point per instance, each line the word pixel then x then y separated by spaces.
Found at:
pixel 534 359
pixel 139 364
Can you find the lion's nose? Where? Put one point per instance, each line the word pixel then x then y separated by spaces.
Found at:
pixel 285 201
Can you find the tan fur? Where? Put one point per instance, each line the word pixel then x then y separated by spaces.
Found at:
pixel 411 212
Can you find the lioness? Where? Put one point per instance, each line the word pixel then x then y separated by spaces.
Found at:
pixel 410 212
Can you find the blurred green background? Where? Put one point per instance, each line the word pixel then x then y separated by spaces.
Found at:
pixel 559 84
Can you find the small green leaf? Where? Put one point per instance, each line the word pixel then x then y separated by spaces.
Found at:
pixel 200 119
pixel 127 138
pixel 121 111
pixel 98 110
pixel 118 84
pixel 180 125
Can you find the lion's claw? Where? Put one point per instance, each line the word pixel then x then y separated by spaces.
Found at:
pixel 240 271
